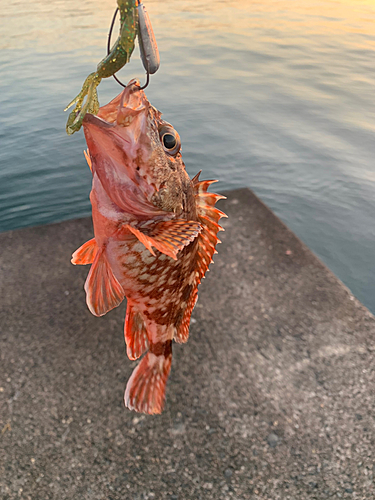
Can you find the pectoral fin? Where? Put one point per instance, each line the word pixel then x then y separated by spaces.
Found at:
pixel 85 254
pixel 103 291
pixel 169 237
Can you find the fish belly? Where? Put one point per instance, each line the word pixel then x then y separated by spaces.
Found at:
pixel 158 285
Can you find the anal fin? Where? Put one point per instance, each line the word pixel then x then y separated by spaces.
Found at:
pixel 169 237
pixel 135 333
pixel 103 291
pixel 85 254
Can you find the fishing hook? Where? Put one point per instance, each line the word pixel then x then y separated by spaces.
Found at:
pixel 109 50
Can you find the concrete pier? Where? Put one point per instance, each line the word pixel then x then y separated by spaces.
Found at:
pixel 272 398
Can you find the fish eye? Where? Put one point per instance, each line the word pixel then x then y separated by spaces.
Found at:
pixel 170 140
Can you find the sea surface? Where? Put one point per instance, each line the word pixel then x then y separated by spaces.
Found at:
pixel 276 95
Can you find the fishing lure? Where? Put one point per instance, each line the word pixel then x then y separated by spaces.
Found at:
pixel 133 20
pixel 147 43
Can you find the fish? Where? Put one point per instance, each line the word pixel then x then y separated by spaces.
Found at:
pixel 155 233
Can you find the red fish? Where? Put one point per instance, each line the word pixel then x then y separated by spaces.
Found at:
pixel 155 234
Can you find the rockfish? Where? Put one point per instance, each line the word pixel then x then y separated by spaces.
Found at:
pixel 155 234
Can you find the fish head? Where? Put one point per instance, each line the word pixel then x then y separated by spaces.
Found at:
pixel 136 155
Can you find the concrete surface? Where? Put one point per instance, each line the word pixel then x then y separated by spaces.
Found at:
pixel 272 397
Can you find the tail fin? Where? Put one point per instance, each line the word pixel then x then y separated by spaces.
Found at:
pixel 145 390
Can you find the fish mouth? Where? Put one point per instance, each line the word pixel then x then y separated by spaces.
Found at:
pixel 126 106
pixel 118 142
pixel 96 127
pixel 124 119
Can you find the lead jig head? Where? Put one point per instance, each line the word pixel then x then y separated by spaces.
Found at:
pixel 147 44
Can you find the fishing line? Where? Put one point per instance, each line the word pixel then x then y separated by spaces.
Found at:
pixel 109 50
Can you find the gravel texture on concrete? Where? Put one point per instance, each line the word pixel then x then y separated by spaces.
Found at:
pixel 272 397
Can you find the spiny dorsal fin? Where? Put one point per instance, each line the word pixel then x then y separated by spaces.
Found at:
pixel 195 179
pixel 209 217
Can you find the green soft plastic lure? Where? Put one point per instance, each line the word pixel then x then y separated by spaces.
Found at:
pixel 113 62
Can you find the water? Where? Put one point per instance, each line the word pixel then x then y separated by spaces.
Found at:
pixel 277 95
